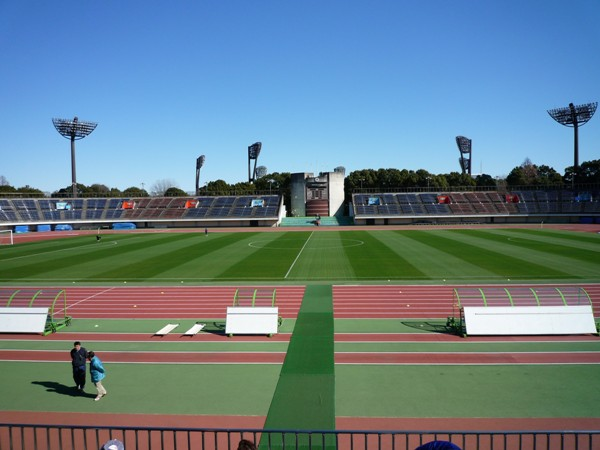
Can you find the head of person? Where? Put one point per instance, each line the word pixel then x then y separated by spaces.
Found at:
pixel 77 345
pixel 438 445
pixel 113 444
pixel 245 444
pixel 90 355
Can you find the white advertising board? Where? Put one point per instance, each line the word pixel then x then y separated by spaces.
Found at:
pixel 251 320
pixel 23 320
pixel 518 320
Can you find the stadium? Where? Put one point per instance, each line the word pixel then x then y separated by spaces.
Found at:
pixel 222 318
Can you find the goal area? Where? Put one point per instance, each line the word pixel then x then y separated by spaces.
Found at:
pixel 6 237
pixel 522 310
pixel 33 310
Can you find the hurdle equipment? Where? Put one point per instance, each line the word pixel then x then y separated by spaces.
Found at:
pixel 195 329
pixel 34 310
pixel 254 311
pixel 523 310
pixel 166 329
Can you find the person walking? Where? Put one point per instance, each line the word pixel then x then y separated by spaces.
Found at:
pixel 78 357
pixel 97 374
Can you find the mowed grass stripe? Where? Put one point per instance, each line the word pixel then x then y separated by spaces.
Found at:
pixel 586 238
pixel 25 250
pixel 200 258
pixel 494 259
pixel 79 261
pixel 381 258
pixel 590 247
pixel 535 254
pixel 266 256
pixel 323 257
pixel 553 246
pixel 147 263
pixel 431 262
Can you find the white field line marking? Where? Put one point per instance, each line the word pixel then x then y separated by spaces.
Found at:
pixel 95 245
pixel 298 255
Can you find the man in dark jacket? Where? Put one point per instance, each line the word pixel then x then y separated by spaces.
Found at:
pixel 78 359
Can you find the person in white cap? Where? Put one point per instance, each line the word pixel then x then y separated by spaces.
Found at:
pixel 113 444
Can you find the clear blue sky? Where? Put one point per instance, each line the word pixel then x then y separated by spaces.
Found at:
pixel 321 83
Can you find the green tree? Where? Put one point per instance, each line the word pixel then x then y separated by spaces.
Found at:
pixel 217 187
pixel 485 180
pixel 28 191
pixel 589 172
pixel 134 191
pixel 174 192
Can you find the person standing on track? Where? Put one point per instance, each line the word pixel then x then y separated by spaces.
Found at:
pixel 78 357
pixel 97 373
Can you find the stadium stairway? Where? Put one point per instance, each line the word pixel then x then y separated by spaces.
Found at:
pixel 309 221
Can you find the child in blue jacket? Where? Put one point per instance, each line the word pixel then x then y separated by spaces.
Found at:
pixel 97 374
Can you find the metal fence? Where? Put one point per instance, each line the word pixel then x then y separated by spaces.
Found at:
pixel 64 437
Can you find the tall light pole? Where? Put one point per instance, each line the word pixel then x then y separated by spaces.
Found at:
pixel 73 130
pixel 573 116
pixel 464 147
pixel 199 164
pixel 253 152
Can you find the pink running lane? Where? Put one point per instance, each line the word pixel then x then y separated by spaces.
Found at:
pixel 350 301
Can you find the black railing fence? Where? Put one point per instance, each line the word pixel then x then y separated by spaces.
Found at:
pixel 65 437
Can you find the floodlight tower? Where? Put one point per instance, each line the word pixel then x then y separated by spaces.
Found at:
pixel 573 116
pixel 253 152
pixel 464 147
pixel 199 164
pixel 73 130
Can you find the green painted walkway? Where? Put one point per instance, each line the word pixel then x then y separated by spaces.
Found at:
pixel 304 398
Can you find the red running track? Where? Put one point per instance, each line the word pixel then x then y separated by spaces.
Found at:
pixel 412 302
pixel 379 358
pixel 361 302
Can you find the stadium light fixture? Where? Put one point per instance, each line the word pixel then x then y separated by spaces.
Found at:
pixel 73 130
pixel 574 116
pixel 199 164
pixel 253 152
pixel 464 147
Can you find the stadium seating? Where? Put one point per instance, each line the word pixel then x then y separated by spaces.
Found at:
pixel 98 211
pixel 388 208
pixel 480 206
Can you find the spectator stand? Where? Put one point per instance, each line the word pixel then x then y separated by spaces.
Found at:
pixel 254 311
pixel 34 310
pixel 521 310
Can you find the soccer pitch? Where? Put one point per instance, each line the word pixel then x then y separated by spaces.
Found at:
pixel 496 255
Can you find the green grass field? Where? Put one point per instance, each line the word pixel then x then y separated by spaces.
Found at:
pixel 401 256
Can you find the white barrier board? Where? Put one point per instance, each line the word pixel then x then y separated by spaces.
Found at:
pixel 23 320
pixel 248 320
pixel 529 320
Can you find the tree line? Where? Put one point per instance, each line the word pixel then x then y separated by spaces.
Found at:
pixel 527 174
